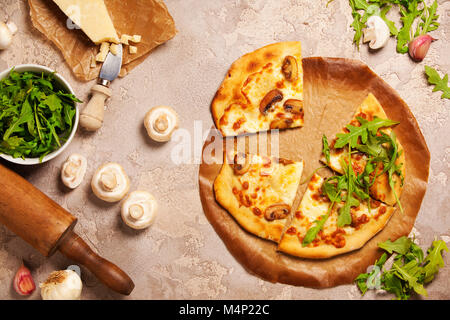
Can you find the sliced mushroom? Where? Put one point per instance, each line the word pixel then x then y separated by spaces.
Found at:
pixel 269 99
pixel 377 32
pixel 73 170
pixel 110 182
pixel 293 106
pixel 277 211
pixel 290 68
pixel 139 209
pixel 285 162
pixel 160 123
pixel 241 163
pixel 281 123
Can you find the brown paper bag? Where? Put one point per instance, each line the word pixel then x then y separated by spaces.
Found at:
pixel 148 18
pixel 333 89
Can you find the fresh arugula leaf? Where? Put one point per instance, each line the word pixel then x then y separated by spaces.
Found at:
pixel 434 259
pixel 389 23
pixel 429 18
pixel 326 148
pixel 373 146
pixel 312 232
pixel 371 280
pixel 409 271
pixel 362 131
pixel 357 24
pixel 409 12
pixel 393 284
pixel 400 246
pixel 361 282
pixel 332 191
pixel 345 217
pixel 25 117
pixel 440 84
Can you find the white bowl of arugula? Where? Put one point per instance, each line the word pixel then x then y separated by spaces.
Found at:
pixel 38 114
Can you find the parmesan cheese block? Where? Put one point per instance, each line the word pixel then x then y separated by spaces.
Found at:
pixel 259 197
pixel 92 17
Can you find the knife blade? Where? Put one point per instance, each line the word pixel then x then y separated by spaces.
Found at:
pixel 111 67
pixel 91 117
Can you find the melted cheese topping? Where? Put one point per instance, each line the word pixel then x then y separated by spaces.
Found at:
pixel 267 182
pixel 314 205
pixel 247 118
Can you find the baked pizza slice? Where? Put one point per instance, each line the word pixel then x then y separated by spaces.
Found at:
pixel 258 191
pixel 263 90
pixel 379 149
pixel 315 232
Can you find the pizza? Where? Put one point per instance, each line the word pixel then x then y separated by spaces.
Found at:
pixel 262 90
pixel 258 191
pixel 380 190
pixel 368 218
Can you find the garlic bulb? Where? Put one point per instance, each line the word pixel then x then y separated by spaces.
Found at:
pixel 139 209
pixel 377 32
pixel 73 170
pixel 62 285
pixel 7 30
pixel 160 123
pixel 110 182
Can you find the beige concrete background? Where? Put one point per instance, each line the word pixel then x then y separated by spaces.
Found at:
pixel 181 256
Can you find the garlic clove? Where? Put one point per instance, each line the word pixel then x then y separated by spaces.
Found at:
pixel 139 210
pixel 73 170
pixel 12 27
pixel 161 122
pixel 23 281
pixel 62 285
pixel 5 36
pixel 419 46
pixel 110 182
pixel 377 32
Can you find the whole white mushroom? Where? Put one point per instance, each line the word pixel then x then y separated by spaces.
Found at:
pixel 139 209
pixel 377 32
pixel 73 170
pixel 7 30
pixel 110 182
pixel 161 122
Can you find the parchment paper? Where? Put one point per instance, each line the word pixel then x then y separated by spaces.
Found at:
pixel 333 89
pixel 148 18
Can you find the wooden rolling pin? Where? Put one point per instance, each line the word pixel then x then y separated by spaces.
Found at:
pixel 48 227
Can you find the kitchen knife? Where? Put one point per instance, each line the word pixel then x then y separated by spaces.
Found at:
pixel 48 227
pixel 91 117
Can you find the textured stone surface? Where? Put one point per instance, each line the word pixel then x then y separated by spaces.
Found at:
pixel 181 256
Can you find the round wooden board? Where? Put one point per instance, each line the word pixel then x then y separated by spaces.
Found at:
pixel 333 89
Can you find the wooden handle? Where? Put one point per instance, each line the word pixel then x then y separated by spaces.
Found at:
pixel 112 276
pixel 32 215
pixel 91 117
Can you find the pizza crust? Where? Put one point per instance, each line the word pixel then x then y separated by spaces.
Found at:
pixel 235 107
